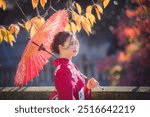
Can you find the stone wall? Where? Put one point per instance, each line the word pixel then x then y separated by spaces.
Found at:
pixel 107 93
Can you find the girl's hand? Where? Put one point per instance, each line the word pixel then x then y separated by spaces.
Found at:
pixel 92 83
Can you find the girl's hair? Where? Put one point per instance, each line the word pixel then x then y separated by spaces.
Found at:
pixel 60 39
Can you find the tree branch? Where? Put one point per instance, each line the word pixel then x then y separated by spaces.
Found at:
pixel 37 10
pixel 21 10
pixel 50 7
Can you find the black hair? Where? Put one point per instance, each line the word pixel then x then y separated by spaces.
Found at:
pixel 59 39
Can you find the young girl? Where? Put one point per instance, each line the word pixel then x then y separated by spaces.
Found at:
pixel 69 81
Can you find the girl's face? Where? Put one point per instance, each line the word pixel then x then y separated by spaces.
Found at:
pixel 70 47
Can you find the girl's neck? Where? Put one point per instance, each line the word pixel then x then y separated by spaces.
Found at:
pixel 62 56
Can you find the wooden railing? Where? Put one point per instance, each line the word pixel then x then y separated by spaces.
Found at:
pixel 45 77
pixel 109 93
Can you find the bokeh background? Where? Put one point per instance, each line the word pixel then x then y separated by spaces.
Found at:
pixel 116 53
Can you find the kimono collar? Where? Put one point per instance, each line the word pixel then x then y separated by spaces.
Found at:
pixel 59 61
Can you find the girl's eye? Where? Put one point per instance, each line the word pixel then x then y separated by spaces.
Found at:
pixel 71 43
pixel 76 43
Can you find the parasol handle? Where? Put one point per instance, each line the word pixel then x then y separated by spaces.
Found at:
pixel 41 47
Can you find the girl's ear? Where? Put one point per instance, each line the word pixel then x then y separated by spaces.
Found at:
pixel 60 47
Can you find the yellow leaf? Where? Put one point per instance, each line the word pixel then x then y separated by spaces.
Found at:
pixel 35 3
pixel 87 21
pixel 87 15
pixel 3 4
pixel 105 3
pixel 3 31
pixel 73 27
pixel 11 39
pixel 97 13
pixel 78 8
pixel 78 20
pixel 33 31
pixel 78 23
pixel 17 29
pixel 37 22
pixel 89 9
pixel 92 19
pixel 43 2
pixel 99 8
pixel 6 38
pixel 28 25
pixel 14 29
pixel 74 15
pixel 1 37
pixel 68 28
pixel 86 27
pixel 78 26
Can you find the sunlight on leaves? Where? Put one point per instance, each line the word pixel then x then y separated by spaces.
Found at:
pixel 105 3
pixel 43 2
pixel 7 36
pixel 79 9
pixel 73 27
pixel 3 4
pixel 35 3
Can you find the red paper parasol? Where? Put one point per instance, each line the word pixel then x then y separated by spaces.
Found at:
pixel 34 58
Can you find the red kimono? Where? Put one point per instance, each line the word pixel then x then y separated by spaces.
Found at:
pixel 69 81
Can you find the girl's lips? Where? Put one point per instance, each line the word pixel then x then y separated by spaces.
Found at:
pixel 75 51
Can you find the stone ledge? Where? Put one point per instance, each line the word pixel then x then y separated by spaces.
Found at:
pixel 109 93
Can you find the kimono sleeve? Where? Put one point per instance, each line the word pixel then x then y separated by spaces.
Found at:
pixel 87 93
pixel 64 84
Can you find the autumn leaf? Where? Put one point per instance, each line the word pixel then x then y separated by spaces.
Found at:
pixel 86 26
pixel 33 31
pixel 43 2
pixel 14 29
pixel 28 25
pixel 68 27
pixel 89 9
pixel 87 21
pixel 3 4
pixel 115 69
pixel 11 28
pixel 92 19
pixel 3 31
pixel 1 37
pixel 6 35
pixel 105 3
pixel 37 22
pixel 74 15
pixel 97 13
pixel 99 8
pixel 11 39
pixel 87 15
pixel 35 3
pixel 123 57
pixel 73 27
pixel 78 26
pixel 79 9
pixel 17 29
